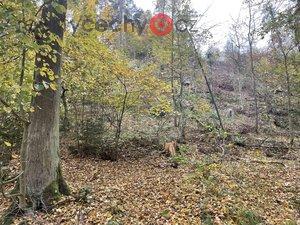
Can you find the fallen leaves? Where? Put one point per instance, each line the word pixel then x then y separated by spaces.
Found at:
pixel 140 191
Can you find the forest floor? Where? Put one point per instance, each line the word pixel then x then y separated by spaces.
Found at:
pixel 250 189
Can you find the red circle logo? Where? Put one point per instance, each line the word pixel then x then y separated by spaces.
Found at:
pixel 161 24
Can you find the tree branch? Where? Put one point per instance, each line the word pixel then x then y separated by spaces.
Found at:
pixel 20 118
pixel 2 183
pixel 10 60
pixel 11 180
pixel 36 14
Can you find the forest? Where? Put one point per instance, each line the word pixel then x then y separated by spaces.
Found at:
pixel 117 115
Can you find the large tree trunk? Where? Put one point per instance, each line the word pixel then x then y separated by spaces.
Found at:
pixel 42 181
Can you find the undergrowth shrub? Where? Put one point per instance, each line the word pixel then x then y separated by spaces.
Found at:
pixel 10 130
pixel 247 217
pixel 94 139
pixel 10 137
pixel 92 132
pixel 183 149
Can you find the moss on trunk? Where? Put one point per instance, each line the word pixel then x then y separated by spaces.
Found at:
pixel 55 189
pixel 62 184
pixel 51 192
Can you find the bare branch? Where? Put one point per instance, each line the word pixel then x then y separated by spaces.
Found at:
pixel 10 60
pixel 3 183
pixel 12 179
pixel 36 14
pixel 3 35
pixel 20 118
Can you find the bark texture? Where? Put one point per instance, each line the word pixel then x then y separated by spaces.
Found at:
pixel 40 149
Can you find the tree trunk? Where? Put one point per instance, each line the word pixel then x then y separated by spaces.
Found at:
pixel 285 54
pixel 213 100
pixel 297 25
pixel 114 152
pixel 289 98
pixel 65 122
pixel 176 124
pixel 182 118
pixel 251 33
pixel 254 88
pixel 42 180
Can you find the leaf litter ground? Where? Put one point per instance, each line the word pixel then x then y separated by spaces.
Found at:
pixel 148 190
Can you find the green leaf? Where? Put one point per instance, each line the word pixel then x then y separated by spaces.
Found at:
pixel 7 109
pixel 46 84
pixel 7 144
pixel 59 8
pixel 53 86
pixel 39 87
pixel 43 73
